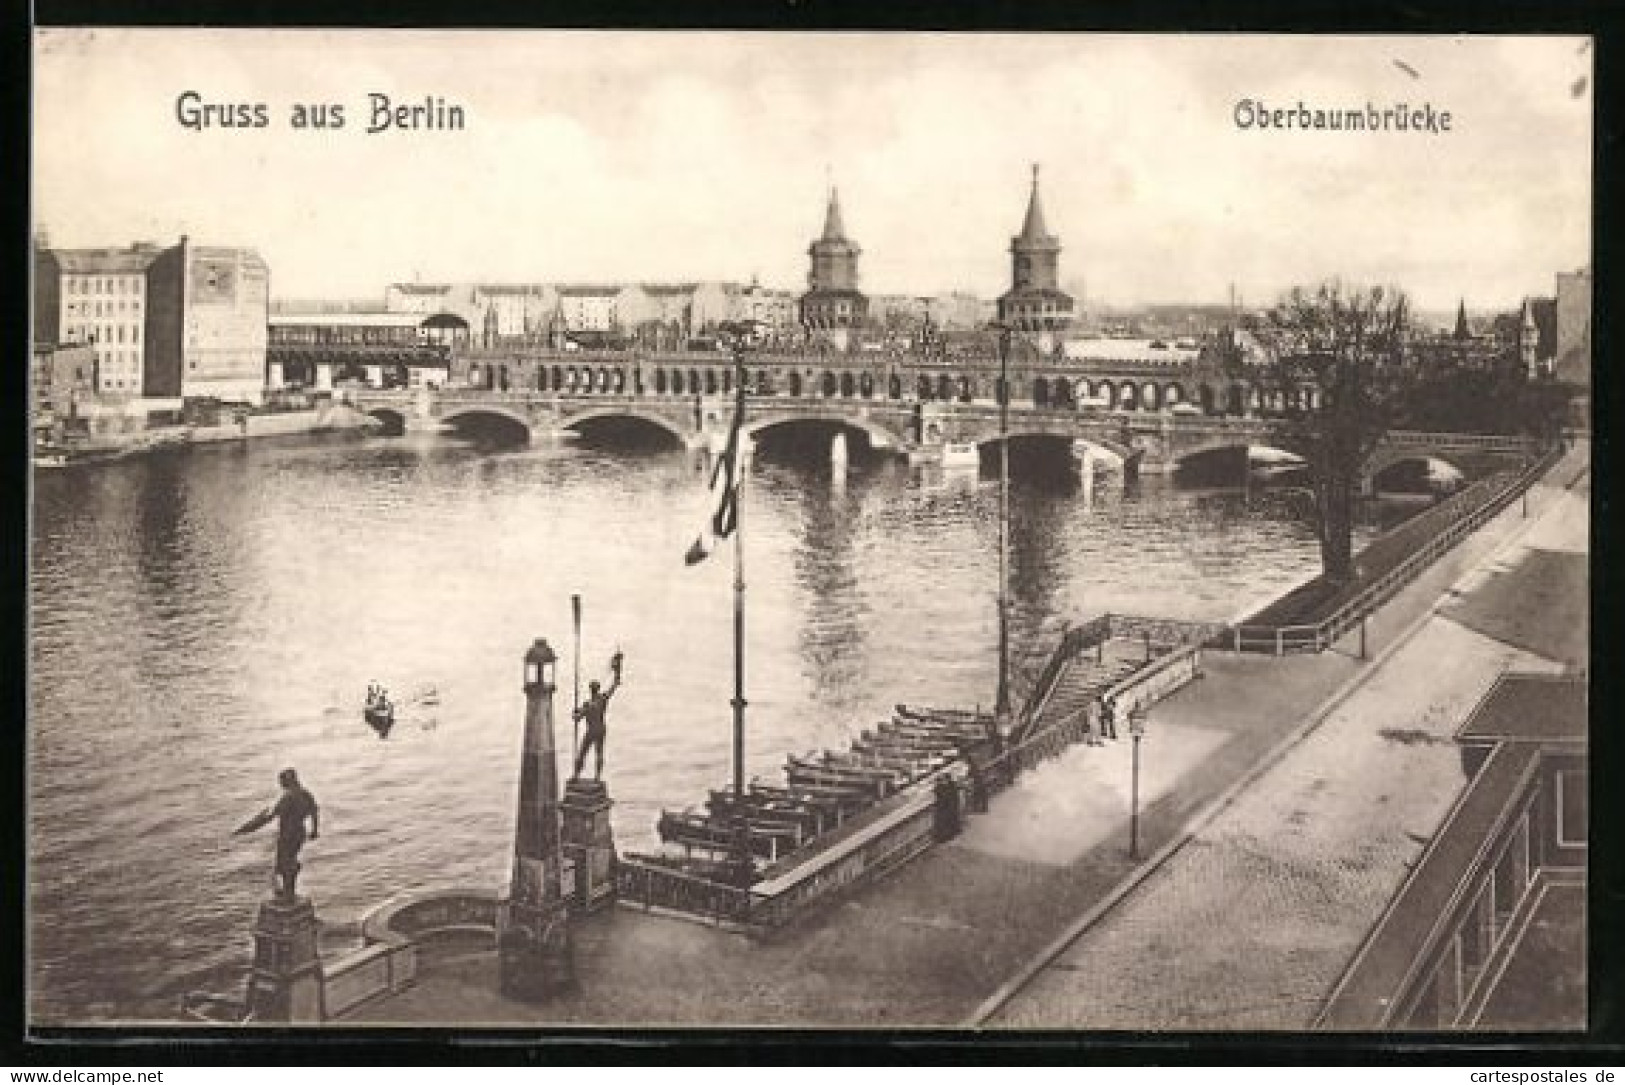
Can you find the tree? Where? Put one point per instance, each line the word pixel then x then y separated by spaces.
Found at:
pixel 1341 369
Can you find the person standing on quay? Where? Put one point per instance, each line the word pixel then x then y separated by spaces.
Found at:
pixel 290 811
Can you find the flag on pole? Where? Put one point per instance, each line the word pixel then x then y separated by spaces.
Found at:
pixel 725 479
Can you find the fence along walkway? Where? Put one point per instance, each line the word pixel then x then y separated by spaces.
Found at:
pixel 1389 564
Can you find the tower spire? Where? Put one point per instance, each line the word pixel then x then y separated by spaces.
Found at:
pixel 1033 229
pixel 834 228
pixel 1461 320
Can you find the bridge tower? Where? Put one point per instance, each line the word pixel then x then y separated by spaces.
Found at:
pixel 833 305
pixel 1035 303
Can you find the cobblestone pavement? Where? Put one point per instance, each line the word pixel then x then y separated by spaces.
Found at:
pixel 1251 922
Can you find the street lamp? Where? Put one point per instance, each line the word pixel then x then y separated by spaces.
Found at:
pixel 1136 730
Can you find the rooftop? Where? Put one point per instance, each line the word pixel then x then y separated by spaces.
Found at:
pixel 1130 350
pixel 1542 708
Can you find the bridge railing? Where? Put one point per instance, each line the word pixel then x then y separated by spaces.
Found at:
pixel 1459 441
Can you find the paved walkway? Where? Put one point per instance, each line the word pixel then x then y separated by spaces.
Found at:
pixel 929 944
pixel 1249 924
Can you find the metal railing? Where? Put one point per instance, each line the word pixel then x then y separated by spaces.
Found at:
pixel 1446 442
pixel 1463 514
pixel 654 886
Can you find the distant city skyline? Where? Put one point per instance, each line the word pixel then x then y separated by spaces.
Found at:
pixel 646 157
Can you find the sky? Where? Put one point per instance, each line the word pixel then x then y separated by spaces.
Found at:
pixel 678 156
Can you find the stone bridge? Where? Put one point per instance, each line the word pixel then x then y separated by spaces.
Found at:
pixel 921 430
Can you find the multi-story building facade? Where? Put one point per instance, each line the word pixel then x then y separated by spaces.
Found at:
pixel 186 321
pixel 98 298
pixel 502 312
pixel 775 312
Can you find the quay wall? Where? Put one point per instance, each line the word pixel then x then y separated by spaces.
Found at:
pixel 336 418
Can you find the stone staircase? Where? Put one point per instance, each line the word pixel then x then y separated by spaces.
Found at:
pixel 1081 683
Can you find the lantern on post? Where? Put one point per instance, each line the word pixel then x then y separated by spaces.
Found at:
pixel 540 667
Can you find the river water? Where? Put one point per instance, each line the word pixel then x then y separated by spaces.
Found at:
pixel 201 620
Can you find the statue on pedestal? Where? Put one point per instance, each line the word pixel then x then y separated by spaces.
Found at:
pixel 290 811
pixel 593 710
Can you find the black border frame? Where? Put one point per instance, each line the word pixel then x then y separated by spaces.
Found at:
pixel 1603 1044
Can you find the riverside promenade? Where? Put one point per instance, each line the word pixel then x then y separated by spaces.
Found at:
pixel 1250 923
pixel 969 932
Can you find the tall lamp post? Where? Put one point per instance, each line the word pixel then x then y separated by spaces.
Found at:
pixel 1136 730
pixel 1001 702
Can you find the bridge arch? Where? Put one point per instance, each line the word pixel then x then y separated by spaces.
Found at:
pixel 509 422
pixel 654 418
pixel 1232 461
pixel 1116 448
pixel 393 421
pixel 879 436
pixel 1416 472
pixel 1385 458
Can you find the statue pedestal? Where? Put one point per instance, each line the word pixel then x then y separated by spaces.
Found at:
pixel 534 950
pixel 589 843
pixel 285 984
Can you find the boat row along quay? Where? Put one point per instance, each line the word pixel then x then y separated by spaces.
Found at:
pixel 768 855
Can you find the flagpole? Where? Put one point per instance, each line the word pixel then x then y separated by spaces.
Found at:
pixel 1001 703
pixel 575 729
pixel 739 583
